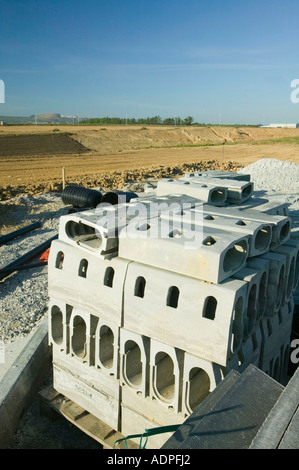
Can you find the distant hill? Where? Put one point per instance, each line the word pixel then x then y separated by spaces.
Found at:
pixel 48 118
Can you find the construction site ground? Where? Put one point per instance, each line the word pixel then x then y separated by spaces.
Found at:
pixel 31 162
pixel 32 157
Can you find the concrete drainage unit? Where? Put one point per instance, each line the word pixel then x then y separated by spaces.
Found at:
pixel 142 329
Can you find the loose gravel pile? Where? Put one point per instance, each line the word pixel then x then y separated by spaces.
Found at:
pixel 271 174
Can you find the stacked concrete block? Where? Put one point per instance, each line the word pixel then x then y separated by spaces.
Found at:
pixel 236 191
pixel 218 257
pixel 215 194
pixel 142 328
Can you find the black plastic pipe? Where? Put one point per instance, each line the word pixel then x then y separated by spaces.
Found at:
pixel 18 233
pixel 4 272
pixel 81 197
pixel 116 197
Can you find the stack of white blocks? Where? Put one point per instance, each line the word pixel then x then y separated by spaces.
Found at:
pixel 143 330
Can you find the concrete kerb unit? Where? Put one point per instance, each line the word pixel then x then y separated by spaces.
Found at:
pixel 262 206
pixel 229 175
pixel 237 191
pixel 281 225
pixel 259 234
pixel 215 195
pixel 209 317
pixel 216 256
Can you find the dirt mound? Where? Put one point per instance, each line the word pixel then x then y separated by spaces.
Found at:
pixel 24 145
pixel 117 179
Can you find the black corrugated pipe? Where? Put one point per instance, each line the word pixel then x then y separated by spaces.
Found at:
pixel 17 233
pixel 81 197
pixel 116 197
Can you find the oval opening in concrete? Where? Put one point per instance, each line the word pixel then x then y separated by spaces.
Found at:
pixel 251 309
pixel 59 260
pixel 133 364
pixel 218 196
pixel 57 324
pixel 79 336
pixel 235 257
pixel 173 297
pixel 280 286
pixel 109 276
pixel 291 278
pixel 164 377
pixel 83 234
pixel 106 349
pixel 263 238
pixel 247 191
pixel 199 387
pixel 284 232
pixel 209 309
pixel 262 295
pixel 237 328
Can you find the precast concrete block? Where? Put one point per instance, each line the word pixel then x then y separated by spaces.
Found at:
pixel 166 373
pixel 59 314
pixel 90 230
pixel 231 175
pixel 107 348
pixel 281 225
pixel 86 281
pixel 251 315
pixel 134 363
pixel 213 194
pixel 276 282
pixel 200 377
pixel 102 406
pixel 262 266
pixel 91 375
pixel 291 253
pixel 134 423
pixel 259 234
pixel 208 317
pixel 237 191
pixel 207 254
pixel 264 206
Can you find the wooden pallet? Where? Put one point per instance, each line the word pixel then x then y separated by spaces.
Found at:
pixel 52 401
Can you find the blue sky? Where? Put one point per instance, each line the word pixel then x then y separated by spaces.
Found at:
pixel 219 61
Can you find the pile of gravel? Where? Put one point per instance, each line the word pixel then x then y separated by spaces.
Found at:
pixel 24 294
pixel 270 174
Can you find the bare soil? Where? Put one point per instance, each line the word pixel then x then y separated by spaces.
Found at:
pixel 32 157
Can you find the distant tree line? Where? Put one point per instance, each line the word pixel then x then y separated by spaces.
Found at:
pixel 155 120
